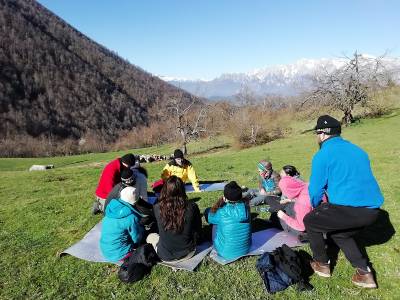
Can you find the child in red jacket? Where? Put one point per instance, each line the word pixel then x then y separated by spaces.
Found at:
pixel 111 176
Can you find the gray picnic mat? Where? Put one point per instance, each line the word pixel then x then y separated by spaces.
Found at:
pixel 204 187
pixel 261 242
pixel 88 249
pixel 207 187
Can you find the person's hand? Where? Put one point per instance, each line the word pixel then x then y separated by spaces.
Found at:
pixel 263 192
pixel 280 214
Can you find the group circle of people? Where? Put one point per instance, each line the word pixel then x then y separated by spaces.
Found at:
pixel 341 198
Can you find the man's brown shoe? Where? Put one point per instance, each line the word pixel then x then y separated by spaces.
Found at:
pixel 364 279
pixel 321 269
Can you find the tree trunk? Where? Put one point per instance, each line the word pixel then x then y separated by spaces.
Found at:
pixel 347 118
pixel 184 148
pixel 184 142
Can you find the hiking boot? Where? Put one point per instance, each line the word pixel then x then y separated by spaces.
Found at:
pixel 321 269
pixel 96 208
pixel 364 279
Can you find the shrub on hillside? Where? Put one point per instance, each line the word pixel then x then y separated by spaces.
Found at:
pixel 27 146
pixel 382 102
pixel 252 126
pixel 154 135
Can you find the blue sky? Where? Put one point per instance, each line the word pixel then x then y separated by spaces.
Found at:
pixel 203 39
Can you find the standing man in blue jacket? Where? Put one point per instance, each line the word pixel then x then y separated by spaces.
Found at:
pixel 341 170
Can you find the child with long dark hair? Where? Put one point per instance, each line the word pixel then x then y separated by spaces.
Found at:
pixel 232 215
pixel 179 223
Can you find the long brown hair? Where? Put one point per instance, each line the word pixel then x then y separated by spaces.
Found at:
pixel 173 201
pixel 220 203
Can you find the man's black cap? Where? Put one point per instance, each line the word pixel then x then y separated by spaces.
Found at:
pixel 329 125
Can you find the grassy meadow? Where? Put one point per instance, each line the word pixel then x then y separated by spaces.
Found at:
pixel 43 213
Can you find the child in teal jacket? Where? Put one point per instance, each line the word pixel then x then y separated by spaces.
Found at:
pixel 232 215
pixel 121 231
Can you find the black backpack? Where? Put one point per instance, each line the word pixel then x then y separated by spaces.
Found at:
pixel 281 268
pixel 139 264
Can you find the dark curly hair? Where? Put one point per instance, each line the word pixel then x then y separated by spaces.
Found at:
pixel 173 202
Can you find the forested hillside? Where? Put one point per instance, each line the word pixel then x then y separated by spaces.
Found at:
pixel 58 83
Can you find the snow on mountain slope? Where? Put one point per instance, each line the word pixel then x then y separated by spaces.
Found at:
pixel 285 80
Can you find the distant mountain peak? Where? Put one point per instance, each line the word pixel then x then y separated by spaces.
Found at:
pixel 283 79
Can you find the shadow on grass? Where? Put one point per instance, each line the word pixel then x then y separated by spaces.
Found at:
pixel 72 163
pixel 258 224
pixel 378 233
pixel 211 181
pixel 195 199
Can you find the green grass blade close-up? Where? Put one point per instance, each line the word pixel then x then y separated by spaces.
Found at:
pixel 44 212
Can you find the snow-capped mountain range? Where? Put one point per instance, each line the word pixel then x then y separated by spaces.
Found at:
pixel 284 80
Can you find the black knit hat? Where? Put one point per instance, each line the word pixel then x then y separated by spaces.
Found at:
pixel 233 192
pixel 128 159
pixel 329 125
pixel 128 177
pixel 178 153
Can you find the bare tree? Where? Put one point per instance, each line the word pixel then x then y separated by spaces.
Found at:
pixel 350 84
pixel 189 119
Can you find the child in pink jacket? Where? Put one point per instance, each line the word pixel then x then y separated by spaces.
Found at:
pixel 298 203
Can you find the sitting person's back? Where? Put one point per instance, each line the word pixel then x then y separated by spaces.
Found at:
pixel 129 177
pixel 121 229
pixel 232 215
pixel 179 223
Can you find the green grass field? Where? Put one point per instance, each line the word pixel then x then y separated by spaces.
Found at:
pixel 43 213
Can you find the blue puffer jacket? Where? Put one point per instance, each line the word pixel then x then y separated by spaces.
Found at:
pixel 233 237
pixel 120 230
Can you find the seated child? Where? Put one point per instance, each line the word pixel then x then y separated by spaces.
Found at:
pixel 178 222
pixel 297 204
pixel 268 189
pixel 232 215
pixel 182 168
pixel 129 177
pixel 121 229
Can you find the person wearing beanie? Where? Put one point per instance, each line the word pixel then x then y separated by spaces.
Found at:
pixel 129 177
pixel 182 168
pixel 232 216
pixel 110 176
pixel 268 185
pixel 342 170
pixel 121 230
